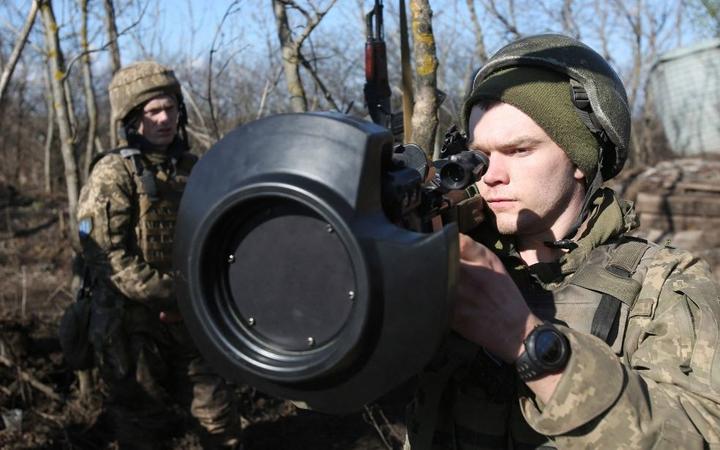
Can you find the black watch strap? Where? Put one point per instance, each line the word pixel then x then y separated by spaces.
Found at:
pixel 547 350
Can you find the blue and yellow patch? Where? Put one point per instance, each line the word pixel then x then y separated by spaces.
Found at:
pixel 85 227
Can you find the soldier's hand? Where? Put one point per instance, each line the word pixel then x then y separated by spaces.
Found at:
pixel 490 310
pixel 170 316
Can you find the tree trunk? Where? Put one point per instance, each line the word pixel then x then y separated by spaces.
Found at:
pixel 90 102
pixel 17 50
pixel 112 33
pixel 57 71
pixel 70 101
pixel 291 59
pixel 16 127
pixel 408 99
pixel 480 50
pixel 50 133
pixel 425 119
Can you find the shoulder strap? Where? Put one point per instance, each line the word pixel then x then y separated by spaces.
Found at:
pixel 147 177
pixel 615 282
pixel 101 155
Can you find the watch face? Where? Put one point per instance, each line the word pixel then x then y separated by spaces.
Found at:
pixel 548 347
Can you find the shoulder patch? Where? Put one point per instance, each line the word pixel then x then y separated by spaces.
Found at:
pixel 85 227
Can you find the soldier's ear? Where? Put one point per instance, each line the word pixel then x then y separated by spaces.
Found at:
pixel 578 175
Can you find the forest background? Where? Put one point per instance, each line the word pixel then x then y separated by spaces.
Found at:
pixel 238 60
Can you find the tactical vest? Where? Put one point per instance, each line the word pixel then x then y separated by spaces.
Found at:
pixel 597 299
pixel 159 189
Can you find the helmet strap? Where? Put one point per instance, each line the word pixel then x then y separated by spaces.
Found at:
pixel 182 124
pixel 584 109
pixel 592 189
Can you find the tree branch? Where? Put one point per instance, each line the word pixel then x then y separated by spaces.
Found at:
pixel 231 9
pixel 17 50
pixel 104 46
pixel 318 82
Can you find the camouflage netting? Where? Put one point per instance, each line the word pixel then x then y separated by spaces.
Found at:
pixel 679 201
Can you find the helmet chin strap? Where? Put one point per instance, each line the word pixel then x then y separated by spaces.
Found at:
pixel 566 242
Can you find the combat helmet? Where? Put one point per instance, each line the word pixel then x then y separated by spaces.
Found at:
pixel 138 83
pixel 598 93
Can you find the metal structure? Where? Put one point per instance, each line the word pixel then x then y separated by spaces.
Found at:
pixel 685 86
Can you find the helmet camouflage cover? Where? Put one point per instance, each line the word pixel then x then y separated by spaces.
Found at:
pixel 604 89
pixel 137 83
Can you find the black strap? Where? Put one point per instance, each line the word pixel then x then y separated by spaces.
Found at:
pixel 606 317
pixel 623 263
pixel 147 177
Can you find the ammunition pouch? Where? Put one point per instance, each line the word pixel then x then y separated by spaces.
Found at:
pixel 74 332
pixel 108 336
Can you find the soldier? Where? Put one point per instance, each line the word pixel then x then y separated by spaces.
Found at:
pixel 574 334
pixel 126 217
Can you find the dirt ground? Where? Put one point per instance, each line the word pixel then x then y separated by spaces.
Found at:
pixel 35 384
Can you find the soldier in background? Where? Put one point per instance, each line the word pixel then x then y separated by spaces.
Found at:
pixel 574 334
pixel 126 216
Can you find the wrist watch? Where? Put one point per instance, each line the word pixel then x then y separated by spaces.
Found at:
pixel 547 351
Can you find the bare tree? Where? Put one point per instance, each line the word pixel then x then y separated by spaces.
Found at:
pixel 90 102
pixel 567 19
pixel 17 50
pixel 408 98
pixel 601 28
pixel 233 8
pixel 634 20
pixel 50 133
pixel 507 18
pixel 290 47
pixel 425 120
pixel 57 70
pixel 112 33
pixel 480 50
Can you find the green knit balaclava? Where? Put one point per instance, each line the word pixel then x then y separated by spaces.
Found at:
pixel 545 96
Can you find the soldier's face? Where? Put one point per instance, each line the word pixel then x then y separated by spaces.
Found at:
pixel 531 186
pixel 159 120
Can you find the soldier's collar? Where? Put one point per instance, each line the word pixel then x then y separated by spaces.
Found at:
pixel 609 218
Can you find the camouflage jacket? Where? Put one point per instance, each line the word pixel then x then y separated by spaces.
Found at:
pixel 108 218
pixel 654 384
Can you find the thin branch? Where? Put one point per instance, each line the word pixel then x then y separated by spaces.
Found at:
pixel 568 20
pixel 312 23
pixel 104 46
pixel 477 28
pixel 204 139
pixel 17 50
pixel 231 9
pixel 509 24
pixel 188 97
pixel 318 82
pixel 30 379
pixel 369 417
pixel 269 87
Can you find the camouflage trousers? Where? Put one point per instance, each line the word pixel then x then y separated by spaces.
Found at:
pixel 154 375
